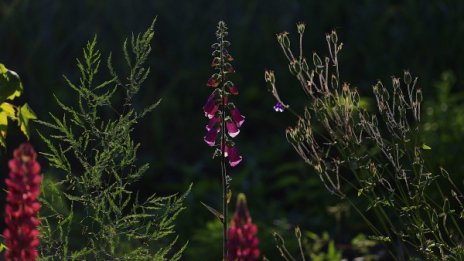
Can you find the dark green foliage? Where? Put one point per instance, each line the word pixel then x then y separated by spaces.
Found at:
pixel 443 126
pixel 91 213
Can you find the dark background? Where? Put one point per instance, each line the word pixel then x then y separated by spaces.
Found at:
pixel 41 40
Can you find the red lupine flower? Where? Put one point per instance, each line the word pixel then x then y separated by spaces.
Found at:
pixel 232 154
pixel 237 117
pixel 23 184
pixel 243 242
pixel 211 106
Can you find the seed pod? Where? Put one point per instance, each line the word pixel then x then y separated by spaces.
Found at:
pixel 301 27
pixel 407 77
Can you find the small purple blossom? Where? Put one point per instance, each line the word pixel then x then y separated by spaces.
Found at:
pixel 279 107
pixel 233 155
pixel 232 128
pixel 211 136
pixel 233 90
pixel 212 122
pixel 211 107
pixel 237 117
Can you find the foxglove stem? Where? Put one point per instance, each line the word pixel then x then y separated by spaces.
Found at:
pixel 224 118
pixel 223 155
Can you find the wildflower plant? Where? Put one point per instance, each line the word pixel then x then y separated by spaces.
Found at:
pixel 92 145
pixel 22 208
pixel 373 155
pixel 243 244
pixel 224 119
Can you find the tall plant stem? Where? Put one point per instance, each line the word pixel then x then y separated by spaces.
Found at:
pixel 223 158
pixel 224 208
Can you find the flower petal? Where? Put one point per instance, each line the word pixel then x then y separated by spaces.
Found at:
pixel 234 157
pixel 210 108
pixel 233 89
pixel 237 117
pixel 232 128
pixel 211 136
pixel 212 122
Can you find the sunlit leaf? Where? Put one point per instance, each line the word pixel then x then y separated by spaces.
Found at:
pixel 25 114
pixel 10 84
pixel 2 247
pixel 229 196
pixel 8 109
pixel 3 128
pixel 426 147
pixel 214 212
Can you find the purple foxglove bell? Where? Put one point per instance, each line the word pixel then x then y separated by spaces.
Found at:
pixel 233 90
pixel 232 154
pixel 211 106
pixel 237 117
pixel 211 136
pixel 212 123
pixel 232 128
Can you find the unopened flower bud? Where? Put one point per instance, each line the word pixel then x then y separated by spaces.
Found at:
pixel 283 39
pixel 317 60
pixel 304 65
pixel 301 27
pixel 334 37
pixel 295 67
pixel 269 76
pixel 407 77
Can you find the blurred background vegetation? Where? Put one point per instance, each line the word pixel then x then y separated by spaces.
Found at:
pixel 40 40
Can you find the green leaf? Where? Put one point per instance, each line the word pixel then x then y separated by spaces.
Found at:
pixel 3 128
pixel 229 195
pixel 214 212
pixel 2 246
pixel 10 84
pixel 426 147
pixel 25 114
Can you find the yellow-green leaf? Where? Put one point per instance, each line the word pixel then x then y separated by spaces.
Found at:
pixel 8 109
pixel 2 246
pixel 229 195
pixel 25 114
pixel 10 84
pixel 426 147
pixel 3 69
pixel 3 128
pixel 216 213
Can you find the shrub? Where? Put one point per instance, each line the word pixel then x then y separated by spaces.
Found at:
pixel 100 218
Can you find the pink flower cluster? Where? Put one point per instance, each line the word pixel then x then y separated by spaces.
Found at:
pixel 220 111
pixel 243 242
pixel 23 185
